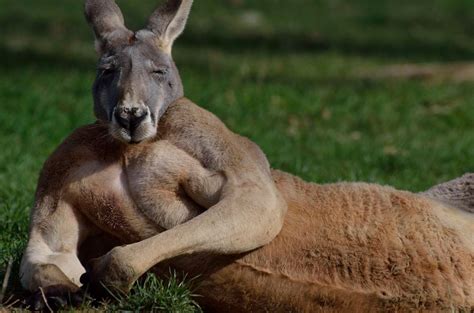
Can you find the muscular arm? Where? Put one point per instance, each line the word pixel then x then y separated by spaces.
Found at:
pixel 246 213
pixel 169 186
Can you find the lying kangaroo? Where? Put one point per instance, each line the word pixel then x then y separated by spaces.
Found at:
pixel 157 181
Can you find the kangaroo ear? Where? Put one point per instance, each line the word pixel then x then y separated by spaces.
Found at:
pixel 169 20
pixel 107 22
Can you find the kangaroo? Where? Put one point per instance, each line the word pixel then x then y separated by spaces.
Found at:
pixel 158 181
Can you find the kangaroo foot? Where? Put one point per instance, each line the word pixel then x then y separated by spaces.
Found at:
pixel 109 273
pixel 458 192
pixel 58 291
pixel 55 298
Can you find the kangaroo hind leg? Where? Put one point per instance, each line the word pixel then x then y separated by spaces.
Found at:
pixel 458 192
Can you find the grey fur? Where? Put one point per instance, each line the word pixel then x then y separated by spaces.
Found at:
pixel 166 23
pixel 458 192
pixel 107 22
pixel 136 72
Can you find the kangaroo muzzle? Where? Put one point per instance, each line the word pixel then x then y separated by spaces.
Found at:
pixel 132 123
pixel 130 118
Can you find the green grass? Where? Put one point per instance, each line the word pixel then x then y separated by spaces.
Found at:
pixel 287 74
pixel 154 295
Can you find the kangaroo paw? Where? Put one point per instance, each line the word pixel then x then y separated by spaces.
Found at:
pixel 109 273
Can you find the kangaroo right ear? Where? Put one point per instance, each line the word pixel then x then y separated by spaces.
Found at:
pixel 169 20
pixel 108 24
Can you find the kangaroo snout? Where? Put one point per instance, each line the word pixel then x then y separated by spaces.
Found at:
pixel 132 123
pixel 130 118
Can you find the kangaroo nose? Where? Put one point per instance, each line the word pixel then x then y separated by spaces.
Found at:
pixel 130 118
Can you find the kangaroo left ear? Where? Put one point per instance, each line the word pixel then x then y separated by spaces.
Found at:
pixel 107 22
pixel 168 21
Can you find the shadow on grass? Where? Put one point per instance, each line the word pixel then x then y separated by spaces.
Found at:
pixel 12 59
pixel 274 45
pixel 284 43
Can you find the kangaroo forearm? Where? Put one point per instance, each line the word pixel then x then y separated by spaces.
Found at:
pixel 167 210
pixel 204 186
pixel 50 258
pixel 226 228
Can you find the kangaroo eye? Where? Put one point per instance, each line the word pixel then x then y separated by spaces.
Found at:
pixel 160 72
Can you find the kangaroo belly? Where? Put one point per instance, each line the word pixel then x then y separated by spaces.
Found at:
pixel 341 246
pixel 344 246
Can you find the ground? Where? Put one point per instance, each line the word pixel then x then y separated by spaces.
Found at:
pixel 378 91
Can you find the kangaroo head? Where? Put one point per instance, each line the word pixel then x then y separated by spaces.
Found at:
pixel 136 77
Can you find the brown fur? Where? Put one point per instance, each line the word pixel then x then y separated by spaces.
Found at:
pixel 170 183
pixel 370 246
pixel 343 247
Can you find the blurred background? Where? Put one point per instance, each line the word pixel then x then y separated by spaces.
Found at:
pixel 370 90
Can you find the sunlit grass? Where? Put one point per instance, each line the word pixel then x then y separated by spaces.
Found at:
pixel 294 76
pixel 155 295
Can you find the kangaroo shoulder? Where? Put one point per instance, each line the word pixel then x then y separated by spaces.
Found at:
pixel 204 136
pixel 186 116
pixel 87 143
pixel 201 134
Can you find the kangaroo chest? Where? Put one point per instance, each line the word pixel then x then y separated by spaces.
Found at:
pixel 136 196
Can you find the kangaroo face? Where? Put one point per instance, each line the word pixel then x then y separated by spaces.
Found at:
pixel 136 77
pixel 134 86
